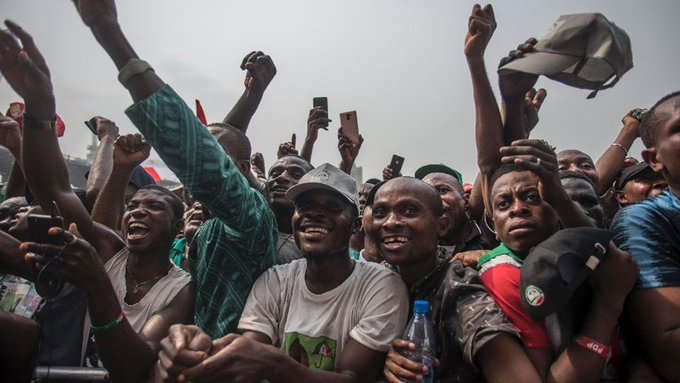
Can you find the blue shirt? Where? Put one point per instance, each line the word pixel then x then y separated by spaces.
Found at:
pixel 650 232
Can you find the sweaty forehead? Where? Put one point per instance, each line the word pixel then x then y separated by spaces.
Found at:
pixel 149 194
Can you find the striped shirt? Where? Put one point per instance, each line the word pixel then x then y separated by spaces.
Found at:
pixel 239 243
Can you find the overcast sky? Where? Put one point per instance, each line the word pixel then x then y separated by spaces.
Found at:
pixel 398 63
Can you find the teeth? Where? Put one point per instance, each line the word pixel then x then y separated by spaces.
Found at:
pixel 319 230
pixel 138 225
pixel 396 239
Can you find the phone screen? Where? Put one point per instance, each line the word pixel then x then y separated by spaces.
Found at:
pixel 322 102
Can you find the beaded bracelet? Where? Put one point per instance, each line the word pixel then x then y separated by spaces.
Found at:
pixel 592 345
pixel 108 326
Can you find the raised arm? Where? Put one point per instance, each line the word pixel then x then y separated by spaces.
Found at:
pixel 129 151
pixel 173 130
pixel 46 173
pixel 610 164
pixel 348 151
pixel 520 101
pixel 488 124
pixel 126 354
pixel 107 132
pixel 318 119
pixel 260 71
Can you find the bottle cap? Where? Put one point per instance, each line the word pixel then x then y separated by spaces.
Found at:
pixel 421 307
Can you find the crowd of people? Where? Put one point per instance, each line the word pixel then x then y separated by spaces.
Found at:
pixel 550 267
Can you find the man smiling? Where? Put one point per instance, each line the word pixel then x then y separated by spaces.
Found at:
pixel 329 318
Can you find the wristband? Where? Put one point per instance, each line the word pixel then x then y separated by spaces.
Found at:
pixel 108 326
pixel 131 69
pixel 592 345
pixel 621 147
pixel 34 123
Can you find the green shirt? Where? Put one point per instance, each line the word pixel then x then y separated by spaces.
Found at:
pixel 232 249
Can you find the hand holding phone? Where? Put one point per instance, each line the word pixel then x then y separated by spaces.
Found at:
pixel 350 126
pixel 396 164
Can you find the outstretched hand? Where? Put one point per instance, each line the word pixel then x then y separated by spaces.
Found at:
pixel 533 100
pixel 130 150
pixel 260 70
pixel 515 84
pixel 481 25
pixel 26 71
pixel 93 12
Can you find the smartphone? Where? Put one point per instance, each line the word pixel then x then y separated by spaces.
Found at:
pixel 92 126
pixel 322 102
pixel 350 126
pixel 39 225
pixel 396 164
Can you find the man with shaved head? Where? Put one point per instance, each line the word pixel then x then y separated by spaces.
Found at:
pixel 408 220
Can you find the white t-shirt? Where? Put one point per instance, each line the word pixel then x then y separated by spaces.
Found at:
pixel 370 306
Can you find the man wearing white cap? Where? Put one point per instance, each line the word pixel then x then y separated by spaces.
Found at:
pixel 328 317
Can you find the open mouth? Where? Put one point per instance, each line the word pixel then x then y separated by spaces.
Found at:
pixel 394 241
pixel 314 231
pixel 137 230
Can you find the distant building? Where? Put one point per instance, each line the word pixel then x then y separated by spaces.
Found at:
pixel 357 173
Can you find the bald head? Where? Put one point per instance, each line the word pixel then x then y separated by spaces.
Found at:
pixel 415 187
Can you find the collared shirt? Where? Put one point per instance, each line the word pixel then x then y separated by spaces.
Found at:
pixel 239 243
pixel 464 317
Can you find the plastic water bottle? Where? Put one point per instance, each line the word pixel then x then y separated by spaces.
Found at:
pixel 419 331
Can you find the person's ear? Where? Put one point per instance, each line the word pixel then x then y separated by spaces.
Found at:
pixel 244 167
pixel 356 225
pixel 650 157
pixel 443 225
pixel 620 196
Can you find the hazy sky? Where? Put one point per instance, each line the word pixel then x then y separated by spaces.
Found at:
pixel 398 63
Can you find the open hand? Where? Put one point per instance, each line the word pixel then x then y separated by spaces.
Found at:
pixel 260 70
pixel 26 71
pixel 481 25
pixel 130 150
pixel 533 100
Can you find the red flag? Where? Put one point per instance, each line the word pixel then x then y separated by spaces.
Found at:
pixel 200 114
pixel 152 172
pixel 16 111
